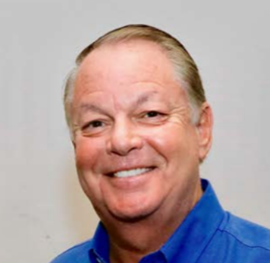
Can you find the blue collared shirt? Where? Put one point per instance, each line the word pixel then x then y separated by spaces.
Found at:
pixel 207 235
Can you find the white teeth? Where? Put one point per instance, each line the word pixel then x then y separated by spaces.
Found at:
pixel 133 172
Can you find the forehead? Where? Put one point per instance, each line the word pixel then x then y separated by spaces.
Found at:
pixel 136 60
pixel 119 74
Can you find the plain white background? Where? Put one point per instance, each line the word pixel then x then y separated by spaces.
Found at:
pixel 42 209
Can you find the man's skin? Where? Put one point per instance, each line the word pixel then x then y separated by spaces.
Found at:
pixel 129 112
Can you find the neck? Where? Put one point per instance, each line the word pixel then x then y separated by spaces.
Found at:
pixel 131 241
pixel 136 240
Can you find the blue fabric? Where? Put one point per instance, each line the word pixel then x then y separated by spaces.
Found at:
pixel 207 235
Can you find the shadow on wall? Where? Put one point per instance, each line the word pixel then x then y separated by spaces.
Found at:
pixel 82 219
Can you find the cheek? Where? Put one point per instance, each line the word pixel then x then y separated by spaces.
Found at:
pixel 86 154
pixel 165 140
pixel 174 143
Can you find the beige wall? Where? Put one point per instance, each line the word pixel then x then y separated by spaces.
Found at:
pixel 42 209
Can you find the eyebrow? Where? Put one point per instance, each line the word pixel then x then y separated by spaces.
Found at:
pixel 86 107
pixel 145 97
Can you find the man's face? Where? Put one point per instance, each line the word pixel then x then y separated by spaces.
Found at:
pixel 137 153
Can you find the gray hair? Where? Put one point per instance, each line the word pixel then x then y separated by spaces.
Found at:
pixel 186 70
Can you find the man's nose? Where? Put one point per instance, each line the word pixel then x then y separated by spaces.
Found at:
pixel 124 138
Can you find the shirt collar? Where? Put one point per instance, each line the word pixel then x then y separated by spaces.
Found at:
pixel 195 232
pixel 99 252
pixel 187 242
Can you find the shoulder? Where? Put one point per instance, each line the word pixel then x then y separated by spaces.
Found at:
pixel 76 254
pixel 238 240
pixel 246 232
pixel 242 241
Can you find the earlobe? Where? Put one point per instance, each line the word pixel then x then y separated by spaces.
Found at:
pixel 204 128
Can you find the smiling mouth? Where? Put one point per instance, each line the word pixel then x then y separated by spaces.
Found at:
pixel 132 172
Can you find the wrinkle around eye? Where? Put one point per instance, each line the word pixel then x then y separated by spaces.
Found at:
pixel 153 114
pixel 153 117
pixel 94 127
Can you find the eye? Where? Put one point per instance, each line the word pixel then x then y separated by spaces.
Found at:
pixel 153 117
pixel 95 124
pixel 152 114
pixel 93 127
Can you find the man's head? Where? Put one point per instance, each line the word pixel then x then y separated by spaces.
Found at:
pixel 137 145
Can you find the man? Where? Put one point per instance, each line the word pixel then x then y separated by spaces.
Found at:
pixel 140 125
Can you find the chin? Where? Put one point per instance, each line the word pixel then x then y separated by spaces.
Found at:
pixel 130 217
pixel 133 214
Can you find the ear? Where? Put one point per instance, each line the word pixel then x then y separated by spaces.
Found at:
pixel 73 140
pixel 74 144
pixel 72 137
pixel 204 129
